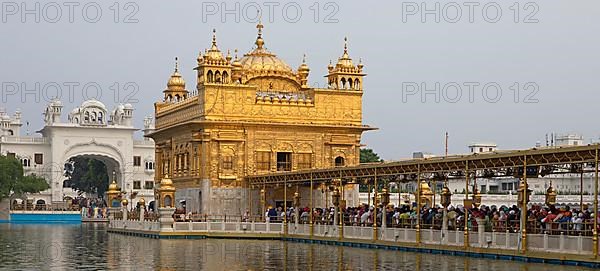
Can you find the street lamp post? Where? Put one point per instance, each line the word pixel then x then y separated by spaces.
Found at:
pixel 296 207
pixel 550 195
pixel 446 196
pixel 385 200
pixel 335 198
pixel 262 203
pixel 523 198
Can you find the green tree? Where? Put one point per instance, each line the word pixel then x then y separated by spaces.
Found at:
pixel 369 156
pixel 14 183
pixel 87 176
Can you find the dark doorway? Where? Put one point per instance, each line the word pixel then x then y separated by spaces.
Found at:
pixel 339 161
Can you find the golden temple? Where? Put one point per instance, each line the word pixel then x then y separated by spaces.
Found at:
pixel 253 115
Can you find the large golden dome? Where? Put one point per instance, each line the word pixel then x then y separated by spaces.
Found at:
pixel 261 61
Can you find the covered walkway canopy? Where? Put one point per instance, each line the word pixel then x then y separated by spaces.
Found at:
pixel 544 161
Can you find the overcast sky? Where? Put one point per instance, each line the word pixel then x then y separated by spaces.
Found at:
pixel 550 55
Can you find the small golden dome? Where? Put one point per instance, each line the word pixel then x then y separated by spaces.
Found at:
pixel 166 184
pixel 142 201
pixel 113 187
pixel 345 61
pixel 303 67
pixel 236 62
pixel 124 202
pixel 200 58
pixel 228 57
pixel 551 189
pixel 425 189
pixel 176 81
pixel 213 55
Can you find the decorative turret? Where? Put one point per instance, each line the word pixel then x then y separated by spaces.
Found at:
pixel 176 86
pixel 148 126
pixel 345 75
pixel 53 112
pixel 303 71
pixel 426 195
pixel 166 193
pixel 236 74
pixel 113 193
pixel 213 67
pixel 551 195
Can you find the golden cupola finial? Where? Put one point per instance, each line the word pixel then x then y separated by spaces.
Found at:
pixel 214 40
pixel 345 62
pixel 213 56
pixel 259 40
pixel 176 64
pixel 236 74
pixel 237 65
pixel 199 59
pixel 228 57
pixel 303 72
pixel 176 81
pixel 303 66
pixel 345 47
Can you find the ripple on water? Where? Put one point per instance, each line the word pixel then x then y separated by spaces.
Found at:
pixel 90 247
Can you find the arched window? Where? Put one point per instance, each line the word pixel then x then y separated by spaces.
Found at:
pixel 343 83
pixel 26 162
pixel 218 77
pixel 100 117
pixel 168 201
pixel 339 161
pixel 209 76
pixel 86 116
pixel 40 204
pixel 10 132
pixel 225 78
pixel 350 83
pixel 177 98
pixel 356 84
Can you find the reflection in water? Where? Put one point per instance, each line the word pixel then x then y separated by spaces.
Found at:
pixel 90 247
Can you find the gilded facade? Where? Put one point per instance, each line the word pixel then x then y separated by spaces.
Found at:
pixel 253 115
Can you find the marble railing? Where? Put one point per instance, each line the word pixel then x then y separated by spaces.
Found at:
pixel 22 139
pixel 564 244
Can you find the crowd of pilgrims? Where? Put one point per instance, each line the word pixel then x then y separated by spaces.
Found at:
pixel 550 219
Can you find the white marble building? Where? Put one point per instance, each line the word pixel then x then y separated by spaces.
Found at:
pixel 89 131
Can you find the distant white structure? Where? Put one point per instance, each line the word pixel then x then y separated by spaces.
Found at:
pixel 423 155
pixel 10 126
pixel 480 147
pixel 569 140
pixel 90 131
